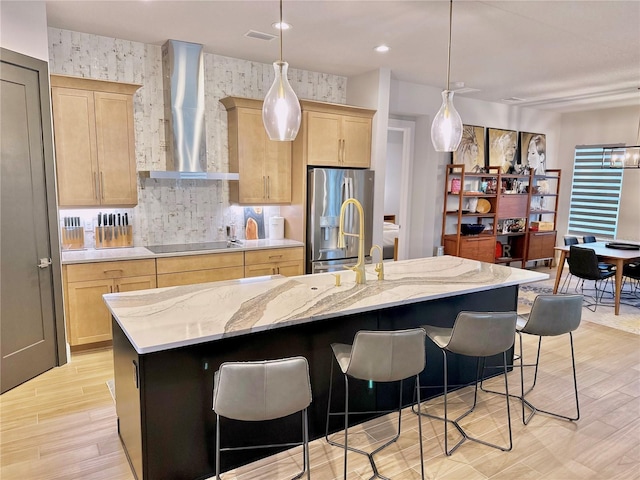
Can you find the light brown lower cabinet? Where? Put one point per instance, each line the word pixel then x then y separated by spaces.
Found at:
pixel 276 261
pixel 190 269
pixel 88 319
pixel 474 247
pixel 541 245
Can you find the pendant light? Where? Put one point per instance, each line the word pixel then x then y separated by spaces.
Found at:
pixel 281 108
pixel 446 129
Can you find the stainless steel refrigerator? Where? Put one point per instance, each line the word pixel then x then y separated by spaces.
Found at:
pixel 328 188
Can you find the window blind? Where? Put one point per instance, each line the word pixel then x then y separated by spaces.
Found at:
pixel 595 194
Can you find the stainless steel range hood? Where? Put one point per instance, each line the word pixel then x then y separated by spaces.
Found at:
pixel 183 86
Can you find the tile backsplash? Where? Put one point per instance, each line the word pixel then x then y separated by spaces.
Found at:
pixel 178 211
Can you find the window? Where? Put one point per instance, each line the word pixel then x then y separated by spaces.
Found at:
pixel 595 194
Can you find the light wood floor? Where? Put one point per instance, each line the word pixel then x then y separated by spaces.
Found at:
pixel 62 425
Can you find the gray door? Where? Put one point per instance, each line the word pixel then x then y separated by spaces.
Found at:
pixel 27 305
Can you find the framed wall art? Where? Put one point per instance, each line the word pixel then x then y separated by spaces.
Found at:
pixel 471 151
pixel 503 147
pixel 533 152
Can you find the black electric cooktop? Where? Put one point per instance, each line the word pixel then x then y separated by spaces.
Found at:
pixel 192 247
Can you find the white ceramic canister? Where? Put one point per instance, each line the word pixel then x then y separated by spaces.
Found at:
pixel 276 228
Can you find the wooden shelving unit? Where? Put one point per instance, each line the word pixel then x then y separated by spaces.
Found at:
pixel 516 201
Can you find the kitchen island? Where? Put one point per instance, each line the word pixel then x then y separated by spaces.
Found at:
pixel 169 342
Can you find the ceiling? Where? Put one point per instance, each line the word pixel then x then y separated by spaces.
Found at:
pixel 554 55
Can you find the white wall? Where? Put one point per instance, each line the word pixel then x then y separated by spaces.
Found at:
pixel 371 90
pixel 392 179
pixel 23 28
pixel 422 102
pixel 596 127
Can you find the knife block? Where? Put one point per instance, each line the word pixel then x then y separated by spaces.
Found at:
pixel 72 238
pixel 114 236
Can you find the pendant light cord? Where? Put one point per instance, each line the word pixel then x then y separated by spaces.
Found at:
pixel 281 30
pixel 449 49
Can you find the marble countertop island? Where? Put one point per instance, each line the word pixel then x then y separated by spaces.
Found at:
pixel 165 318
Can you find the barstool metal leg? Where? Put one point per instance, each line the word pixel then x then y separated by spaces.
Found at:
pixel 455 423
pixel 217 447
pixel 346 447
pixel 533 408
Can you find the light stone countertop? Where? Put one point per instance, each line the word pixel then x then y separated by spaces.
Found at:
pixel 164 318
pixel 135 253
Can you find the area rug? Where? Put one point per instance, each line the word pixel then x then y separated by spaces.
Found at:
pixel 628 320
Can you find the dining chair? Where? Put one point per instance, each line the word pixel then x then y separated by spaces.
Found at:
pixel 569 241
pixel 480 335
pixel 260 391
pixel 583 263
pixel 378 356
pixel 631 273
pixel 588 239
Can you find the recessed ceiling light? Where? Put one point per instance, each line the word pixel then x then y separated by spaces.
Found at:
pixel 381 48
pixel 281 26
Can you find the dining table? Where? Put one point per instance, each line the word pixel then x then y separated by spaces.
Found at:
pixel 607 252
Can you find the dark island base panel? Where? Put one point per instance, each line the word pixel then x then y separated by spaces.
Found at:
pixel 168 426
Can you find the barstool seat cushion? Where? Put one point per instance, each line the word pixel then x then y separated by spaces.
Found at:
pixel 342 352
pixel 439 335
pixel 380 356
pixel 476 334
pixel 552 315
pixel 257 391
pixel 521 321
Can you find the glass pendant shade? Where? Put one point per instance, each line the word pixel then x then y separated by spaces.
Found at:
pixel 281 109
pixel 446 129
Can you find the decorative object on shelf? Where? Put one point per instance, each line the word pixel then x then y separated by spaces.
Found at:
pixel 472 204
pixel 498 249
pixel 281 113
pixel 470 152
pixel 446 129
pixel 484 206
pixel 503 146
pixel 533 153
pixel 472 228
pixel 455 185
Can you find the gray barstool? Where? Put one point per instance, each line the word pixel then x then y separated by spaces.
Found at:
pixel 550 316
pixel 378 356
pixel 481 335
pixel 259 391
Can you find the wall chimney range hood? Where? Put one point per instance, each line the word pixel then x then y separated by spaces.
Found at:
pixel 183 88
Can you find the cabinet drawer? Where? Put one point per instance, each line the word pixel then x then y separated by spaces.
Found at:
pixel 288 269
pixel 104 270
pixel 273 255
pixel 512 206
pixel 190 263
pixel 200 276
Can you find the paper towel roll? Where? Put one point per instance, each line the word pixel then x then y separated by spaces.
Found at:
pixel 276 228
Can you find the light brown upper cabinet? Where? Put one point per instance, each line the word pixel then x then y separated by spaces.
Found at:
pixel 264 165
pixel 94 142
pixel 335 135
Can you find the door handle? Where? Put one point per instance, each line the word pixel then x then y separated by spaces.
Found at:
pixel 95 185
pixel 44 262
